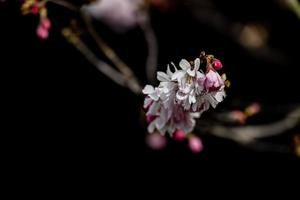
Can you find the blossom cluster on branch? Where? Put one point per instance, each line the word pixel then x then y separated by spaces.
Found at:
pixel 184 94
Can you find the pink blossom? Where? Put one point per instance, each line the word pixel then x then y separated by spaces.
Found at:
pixel 217 64
pixel 156 141
pixel 46 23
pixel 42 32
pixel 213 81
pixel 118 14
pixel 179 135
pixel 195 144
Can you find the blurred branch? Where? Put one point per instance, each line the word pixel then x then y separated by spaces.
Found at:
pixel 249 135
pixel 207 14
pixel 110 53
pixel 150 37
pixel 127 78
pixel 100 65
pixel 294 5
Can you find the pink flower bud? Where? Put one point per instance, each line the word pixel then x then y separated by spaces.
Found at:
pixel 253 109
pixel 42 32
pixel 46 23
pixel 217 64
pixel 35 9
pixel 195 144
pixel 156 141
pixel 238 116
pixel 179 135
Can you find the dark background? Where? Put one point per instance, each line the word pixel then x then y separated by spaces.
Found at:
pixel 74 118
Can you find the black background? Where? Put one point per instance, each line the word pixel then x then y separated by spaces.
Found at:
pixel 73 118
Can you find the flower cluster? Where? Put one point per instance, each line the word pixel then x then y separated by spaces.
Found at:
pixel 183 95
pixel 38 7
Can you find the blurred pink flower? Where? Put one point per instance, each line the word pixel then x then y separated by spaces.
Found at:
pixel 195 144
pixel 238 116
pixel 118 14
pixel 46 23
pixel 253 109
pixel 42 32
pixel 179 135
pixel 156 141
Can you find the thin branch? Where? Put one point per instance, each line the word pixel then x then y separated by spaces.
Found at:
pixel 110 53
pixel 90 56
pixel 151 63
pixel 294 5
pixel 248 134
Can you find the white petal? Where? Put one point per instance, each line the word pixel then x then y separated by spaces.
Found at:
pixel 197 64
pixel 213 102
pixel 178 75
pixel 184 64
pixel 200 75
pixel 154 96
pixel 191 72
pixel 169 72
pixel 153 109
pixel 148 89
pixel 161 76
pixel 219 96
pixel 192 99
pixel 174 66
pixel 147 102
pixel 151 127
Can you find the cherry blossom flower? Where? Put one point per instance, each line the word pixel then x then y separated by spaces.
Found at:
pixel 182 96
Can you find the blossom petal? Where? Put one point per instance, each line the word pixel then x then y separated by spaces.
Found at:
pixel 148 89
pixel 161 76
pixel 169 72
pixel 184 64
pixel 197 64
pixel 178 75
pixel 191 72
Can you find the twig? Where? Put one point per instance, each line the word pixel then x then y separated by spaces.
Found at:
pixel 151 63
pixel 249 134
pixel 90 56
pixel 110 53
pixel 127 78
pixel 294 5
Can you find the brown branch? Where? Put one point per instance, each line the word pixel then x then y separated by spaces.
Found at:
pixel 151 63
pixel 90 56
pixel 248 134
pixel 110 53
